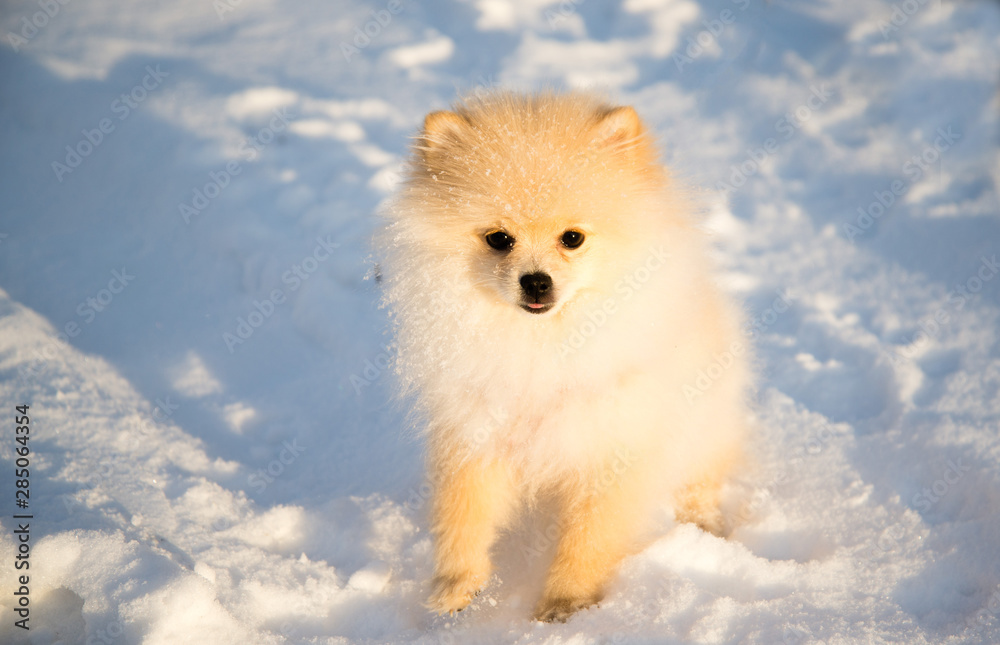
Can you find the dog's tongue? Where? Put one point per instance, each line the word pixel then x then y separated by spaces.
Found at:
pixel 535 305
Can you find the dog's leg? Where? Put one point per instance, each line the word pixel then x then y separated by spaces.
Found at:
pixel 699 503
pixel 471 502
pixel 599 524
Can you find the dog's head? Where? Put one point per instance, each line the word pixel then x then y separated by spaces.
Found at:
pixel 537 264
pixel 536 193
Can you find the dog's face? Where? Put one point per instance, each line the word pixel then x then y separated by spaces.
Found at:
pixel 535 204
pixel 536 265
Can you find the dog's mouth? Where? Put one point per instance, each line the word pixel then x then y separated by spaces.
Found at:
pixel 537 307
pixel 538 294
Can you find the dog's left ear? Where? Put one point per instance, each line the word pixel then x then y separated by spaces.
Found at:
pixel 442 127
pixel 619 126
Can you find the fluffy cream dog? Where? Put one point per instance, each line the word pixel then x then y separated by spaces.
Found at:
pixel 561 336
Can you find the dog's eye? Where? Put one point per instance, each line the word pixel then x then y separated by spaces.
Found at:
pixel 500 241
pixel 572 239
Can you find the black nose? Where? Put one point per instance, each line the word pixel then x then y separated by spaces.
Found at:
pixel 536 285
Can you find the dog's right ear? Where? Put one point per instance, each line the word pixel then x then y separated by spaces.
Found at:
pixel 441 128
pixel 619 126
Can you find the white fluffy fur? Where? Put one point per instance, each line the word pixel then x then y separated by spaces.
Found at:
pixel 492 381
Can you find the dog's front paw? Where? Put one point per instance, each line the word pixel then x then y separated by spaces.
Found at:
pixel 710 521
pixel 454 593
pixel 553 610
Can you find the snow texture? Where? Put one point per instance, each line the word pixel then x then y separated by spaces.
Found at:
pixel 188 193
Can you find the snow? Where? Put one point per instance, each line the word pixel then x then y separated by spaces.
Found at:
pixel 186 488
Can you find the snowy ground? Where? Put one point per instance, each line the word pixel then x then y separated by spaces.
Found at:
pixel 187 193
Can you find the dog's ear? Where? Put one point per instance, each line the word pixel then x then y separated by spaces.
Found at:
pixel 618 126
pixel 440 128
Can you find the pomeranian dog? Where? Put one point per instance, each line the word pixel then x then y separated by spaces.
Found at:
pixel 560 335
